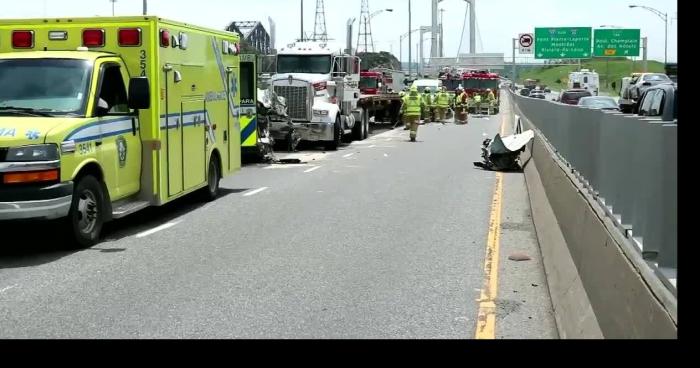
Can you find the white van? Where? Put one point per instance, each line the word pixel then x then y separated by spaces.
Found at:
pixel 432 84
pixel 585 79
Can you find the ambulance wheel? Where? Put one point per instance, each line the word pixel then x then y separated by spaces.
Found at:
pixel 211 191
pixel 337 136
pixel 86 215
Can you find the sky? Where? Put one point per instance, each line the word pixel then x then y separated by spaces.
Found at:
pixel 499 21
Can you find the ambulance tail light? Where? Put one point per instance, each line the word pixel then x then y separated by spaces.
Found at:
pixel 94 38
pixel 164 38
pixel 27 177
pixel 22 39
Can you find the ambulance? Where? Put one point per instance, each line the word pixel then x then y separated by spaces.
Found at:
pixel 103 117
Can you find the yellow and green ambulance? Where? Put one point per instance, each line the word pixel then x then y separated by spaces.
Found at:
pixel 102 117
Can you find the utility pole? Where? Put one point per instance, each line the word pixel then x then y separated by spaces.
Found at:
pixel 442 34
pixel 302 20
pixel 515 45
pixel 113 2
pixel 472 26
pixel 409 38
pixel 644 55
pixel 145 7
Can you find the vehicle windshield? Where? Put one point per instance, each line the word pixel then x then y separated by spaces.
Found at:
pixel 49 86
pixel 368 82
pixel 471 83
pixel 599 102
pixel 489 83
pixel 312 64
pixel 656 78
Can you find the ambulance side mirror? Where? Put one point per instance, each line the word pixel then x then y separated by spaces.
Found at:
pixel 139 93
pixel 102 108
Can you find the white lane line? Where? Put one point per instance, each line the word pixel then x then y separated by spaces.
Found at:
pixel 312 169
pixel 157 229
pixel 372 146
pixel 388 139
pixel 385 155
pixel 255 192
pixel 7 288
pixel 348 155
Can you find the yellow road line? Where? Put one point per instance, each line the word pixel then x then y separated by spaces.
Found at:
pixel 486 321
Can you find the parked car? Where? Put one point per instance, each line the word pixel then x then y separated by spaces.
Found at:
pixel 571 96
pixel 536 93
pixel 659 101
pixel 599 103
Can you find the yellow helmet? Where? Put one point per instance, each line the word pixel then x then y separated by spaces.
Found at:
pixel 414 88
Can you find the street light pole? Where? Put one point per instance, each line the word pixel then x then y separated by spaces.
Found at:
pixel 401 38
pixel 409 38
pixel 664 17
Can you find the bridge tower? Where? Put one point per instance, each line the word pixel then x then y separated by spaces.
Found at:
pixel 365 43
pixel 320 32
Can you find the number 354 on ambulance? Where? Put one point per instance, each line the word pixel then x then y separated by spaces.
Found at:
pixel 102 117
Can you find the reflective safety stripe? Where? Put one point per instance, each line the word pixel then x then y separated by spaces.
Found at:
pixel 443 100
pixel 413 104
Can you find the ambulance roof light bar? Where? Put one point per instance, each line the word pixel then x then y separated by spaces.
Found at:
pixel 22 39
pixel 94 37
pixel 130 37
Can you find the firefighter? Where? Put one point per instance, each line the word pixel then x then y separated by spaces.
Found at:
pixel 442 100
pixel 491 99
pixel 461 98
pixel 428 102
pixel 411 109
pixel 402 94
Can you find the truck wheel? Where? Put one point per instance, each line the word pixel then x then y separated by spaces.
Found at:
pixel 365 120
pixel 211 191
pixel 337 136
pixel 358 133
pixel 86 215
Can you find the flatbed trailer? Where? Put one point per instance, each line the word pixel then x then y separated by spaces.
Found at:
pixel 382 108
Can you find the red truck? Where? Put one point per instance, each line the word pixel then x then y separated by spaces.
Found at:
pixel 382 106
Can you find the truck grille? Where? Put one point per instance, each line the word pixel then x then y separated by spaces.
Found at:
pixel 297 101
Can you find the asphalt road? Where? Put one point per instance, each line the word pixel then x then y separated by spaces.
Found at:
pixel 382 239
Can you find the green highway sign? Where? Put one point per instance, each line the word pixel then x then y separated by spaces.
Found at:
pixel 616 42
pixel 563 43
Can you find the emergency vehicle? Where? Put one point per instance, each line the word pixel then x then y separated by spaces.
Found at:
pixel 585 79
pixel 102 117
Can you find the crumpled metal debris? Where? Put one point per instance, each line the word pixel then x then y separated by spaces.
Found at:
pixel 503 153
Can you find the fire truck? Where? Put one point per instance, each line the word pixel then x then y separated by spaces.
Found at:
pixel 378 96
pixel 478 81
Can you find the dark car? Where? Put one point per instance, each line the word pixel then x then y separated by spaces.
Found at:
pixel 572 96
pixel 599 103
pixel 525 92
pixel 659 101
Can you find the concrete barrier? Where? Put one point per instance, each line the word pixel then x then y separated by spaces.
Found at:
pixel 583 161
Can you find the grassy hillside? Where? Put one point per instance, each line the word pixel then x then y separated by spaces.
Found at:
pixel 556 77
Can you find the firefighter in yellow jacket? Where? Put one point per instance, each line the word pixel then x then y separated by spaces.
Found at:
pixel 411 108
pixel 442 100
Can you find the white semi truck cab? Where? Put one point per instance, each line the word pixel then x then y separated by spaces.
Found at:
pixel 321 85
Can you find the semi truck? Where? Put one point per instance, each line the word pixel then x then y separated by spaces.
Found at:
pixel 103 117
pixel 320 83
